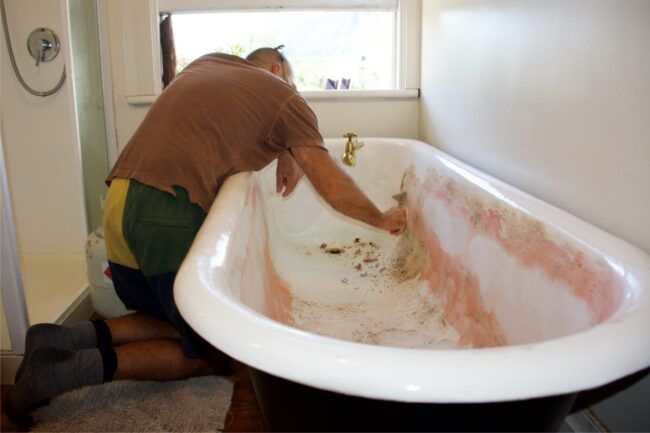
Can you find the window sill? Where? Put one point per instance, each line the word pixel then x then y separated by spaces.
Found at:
pixel 320 95
pixel 140 100
pixel 315 95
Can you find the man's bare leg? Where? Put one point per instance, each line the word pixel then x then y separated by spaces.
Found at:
pixel 140 326
pixel 150 349
pixel 158 359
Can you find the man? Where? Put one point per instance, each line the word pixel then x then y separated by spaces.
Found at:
pixel 220 116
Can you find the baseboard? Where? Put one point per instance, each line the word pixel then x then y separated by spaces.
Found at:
pixel 9 363
pixel 80 309
pixel 586 421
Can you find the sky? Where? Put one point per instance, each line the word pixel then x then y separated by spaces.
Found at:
pixel 319 44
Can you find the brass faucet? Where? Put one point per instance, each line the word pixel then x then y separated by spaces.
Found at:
pixel 349 157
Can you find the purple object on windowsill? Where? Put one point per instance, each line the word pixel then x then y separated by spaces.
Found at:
pixel 345 83
pixel 331 84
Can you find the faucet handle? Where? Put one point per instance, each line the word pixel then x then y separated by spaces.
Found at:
pixel 354 140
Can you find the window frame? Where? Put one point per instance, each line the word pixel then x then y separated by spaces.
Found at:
pixel 406 46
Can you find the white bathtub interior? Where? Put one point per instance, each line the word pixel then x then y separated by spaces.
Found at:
pixel 333 276
pixel 342 273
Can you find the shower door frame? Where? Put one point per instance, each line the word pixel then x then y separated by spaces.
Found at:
pixel 11 281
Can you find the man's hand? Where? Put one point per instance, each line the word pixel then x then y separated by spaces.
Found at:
pixel 394 221
pixel 288 174
pixel 342 193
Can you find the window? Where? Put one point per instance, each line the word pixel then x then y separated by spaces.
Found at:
pixel 328 49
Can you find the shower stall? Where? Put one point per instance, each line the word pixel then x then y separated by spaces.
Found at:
pixel 55 159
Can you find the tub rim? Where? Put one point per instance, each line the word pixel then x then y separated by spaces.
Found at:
pixel 558 366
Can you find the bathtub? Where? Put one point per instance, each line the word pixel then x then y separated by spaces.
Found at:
pixel 493 306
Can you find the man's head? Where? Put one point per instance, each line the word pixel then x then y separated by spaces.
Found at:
pixel 272 60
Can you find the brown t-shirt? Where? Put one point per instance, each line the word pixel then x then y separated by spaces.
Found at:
pixel 220 116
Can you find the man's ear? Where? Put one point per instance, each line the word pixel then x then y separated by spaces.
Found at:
pixel 275 68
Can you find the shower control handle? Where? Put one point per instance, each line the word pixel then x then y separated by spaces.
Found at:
pixel 43 45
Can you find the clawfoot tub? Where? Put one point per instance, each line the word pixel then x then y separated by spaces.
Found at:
pixel 491 312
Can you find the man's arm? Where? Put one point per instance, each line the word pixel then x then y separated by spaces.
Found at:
pixel 340 191
pixel 287 174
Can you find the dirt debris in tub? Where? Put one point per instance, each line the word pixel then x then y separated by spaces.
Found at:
pixel 375 296
pixel 363 257
pixel 382 267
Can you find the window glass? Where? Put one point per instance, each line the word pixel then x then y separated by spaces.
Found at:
pixel 327 49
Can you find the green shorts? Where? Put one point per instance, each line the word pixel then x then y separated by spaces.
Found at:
pixel 148 233
pixel 149 229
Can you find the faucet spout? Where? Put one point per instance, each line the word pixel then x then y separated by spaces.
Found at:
pixel 349 157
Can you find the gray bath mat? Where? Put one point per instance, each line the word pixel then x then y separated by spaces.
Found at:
pixel 192 405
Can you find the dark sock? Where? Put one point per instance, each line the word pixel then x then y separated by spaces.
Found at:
pixel 103 333
pixel 105 346
pixel 109 359
pixel 51 371
pixel 76 336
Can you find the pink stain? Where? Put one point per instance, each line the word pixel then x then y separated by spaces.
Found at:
pixel 491 222
pixel 459 290
pixel 277 294
pixel 521 237
pixel 596 285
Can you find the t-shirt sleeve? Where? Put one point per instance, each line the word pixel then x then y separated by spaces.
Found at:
pixel 296 125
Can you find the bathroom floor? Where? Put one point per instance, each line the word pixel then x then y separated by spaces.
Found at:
pixel 6 425
pixel 244 414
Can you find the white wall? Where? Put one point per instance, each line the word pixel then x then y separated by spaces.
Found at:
pixel 552 96
pixel 130 72
pixel 40 137
pixel 369 118
pixel 5 338
pixel 131 22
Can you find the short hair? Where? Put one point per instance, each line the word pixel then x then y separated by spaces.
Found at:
pixel 265 56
